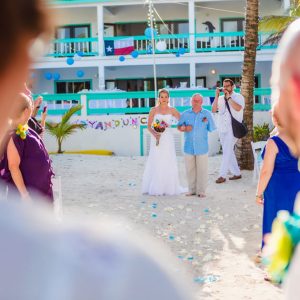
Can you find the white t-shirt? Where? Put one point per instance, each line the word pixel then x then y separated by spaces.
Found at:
pixel 42 259
pixel 224 119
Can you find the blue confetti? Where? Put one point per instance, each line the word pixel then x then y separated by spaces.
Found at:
pixel 171 237
pixel 154 215
pixel 154 205
pixel 207 279
pixel 190 258
pixel 206 210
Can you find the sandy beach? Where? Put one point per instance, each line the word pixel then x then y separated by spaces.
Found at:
pixel 215 238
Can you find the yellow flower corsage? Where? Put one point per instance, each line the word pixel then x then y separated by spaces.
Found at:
pixel 22 131
pixel 281 244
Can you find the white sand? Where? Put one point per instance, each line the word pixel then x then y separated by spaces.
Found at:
pixel 218 235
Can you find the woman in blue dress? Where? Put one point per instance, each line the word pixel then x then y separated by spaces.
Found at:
pixel 279 180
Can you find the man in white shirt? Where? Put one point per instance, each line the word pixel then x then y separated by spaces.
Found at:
pixel 236 103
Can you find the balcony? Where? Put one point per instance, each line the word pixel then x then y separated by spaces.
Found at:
pixel 204 42
pixel 121 102
pixel 70 47
pixel 227 41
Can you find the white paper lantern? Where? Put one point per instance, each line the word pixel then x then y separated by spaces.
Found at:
pixel 161 46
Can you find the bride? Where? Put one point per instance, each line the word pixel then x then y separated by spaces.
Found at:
pixel 161 172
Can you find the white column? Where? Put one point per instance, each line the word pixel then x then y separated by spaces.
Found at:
pixel 101 77
pixel 100 26
pixel 192 25
pixel 84 106
pixel 286 4
pixel 192 74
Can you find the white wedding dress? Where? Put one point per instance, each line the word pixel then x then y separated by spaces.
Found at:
pixel 161 172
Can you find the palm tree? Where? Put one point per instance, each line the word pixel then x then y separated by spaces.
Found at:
pixel 244 149
pixel 64 129
pixel 278 24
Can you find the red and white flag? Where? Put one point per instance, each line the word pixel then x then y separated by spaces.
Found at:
pixel 124 46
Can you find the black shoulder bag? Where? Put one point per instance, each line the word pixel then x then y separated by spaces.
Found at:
pixel 239 129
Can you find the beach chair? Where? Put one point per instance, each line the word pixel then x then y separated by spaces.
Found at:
pixel 257 148
pixel 57 197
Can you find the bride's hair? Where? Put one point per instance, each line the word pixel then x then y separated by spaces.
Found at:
pixel 162 91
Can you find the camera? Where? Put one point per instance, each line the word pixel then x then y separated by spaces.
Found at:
pixel 221 89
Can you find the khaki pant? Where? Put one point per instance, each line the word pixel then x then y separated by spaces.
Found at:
pixel 197 173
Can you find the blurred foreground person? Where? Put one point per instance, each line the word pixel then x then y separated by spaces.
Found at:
pixel 286 91
pixel 41 259
pixel 26 165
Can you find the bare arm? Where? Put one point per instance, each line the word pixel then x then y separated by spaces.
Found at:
pixel 176 113
pixel 14 168
pixel 37 105
pixel 150 121
pixel 215 103
pixel 267 169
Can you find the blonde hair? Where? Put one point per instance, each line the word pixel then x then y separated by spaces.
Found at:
pixel 162 91
pixel 22 102
pixel 280 72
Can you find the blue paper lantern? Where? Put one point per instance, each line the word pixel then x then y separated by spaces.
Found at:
pixel 177 54
pixel 48 76
pixel 80 73
pixel 148 32
pixel 80 53
pixel 134 54
pixel 181 51
pixel 70 61
pixel 122 58
pixel 56 76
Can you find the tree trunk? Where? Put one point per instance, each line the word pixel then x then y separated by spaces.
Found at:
pixel 244 150
pixel 59 141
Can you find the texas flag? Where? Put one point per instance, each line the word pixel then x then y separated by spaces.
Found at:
pixel 119 47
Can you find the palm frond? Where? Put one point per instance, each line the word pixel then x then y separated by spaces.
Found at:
pixel 64 128
pixel 67 116
pixel 295 10
pixel 274 23
pixel 71 128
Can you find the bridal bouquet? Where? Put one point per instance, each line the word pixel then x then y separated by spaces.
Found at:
pixel 159 126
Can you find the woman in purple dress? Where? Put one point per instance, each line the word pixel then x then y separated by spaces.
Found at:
pixel 26 163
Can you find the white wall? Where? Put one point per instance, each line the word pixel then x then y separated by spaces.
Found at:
pixel 41 85
pixel 70 16
pixel 263 68
pixel 123 139
pixel 139 13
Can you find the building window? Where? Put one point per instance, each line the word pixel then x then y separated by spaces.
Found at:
pixel 73 32
pixel 201 81
pixel 238 80
pixel 233 24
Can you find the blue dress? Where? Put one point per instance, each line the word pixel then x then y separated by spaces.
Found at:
pixel 283 186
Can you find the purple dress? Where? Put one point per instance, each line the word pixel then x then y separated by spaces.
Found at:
pixel 35 166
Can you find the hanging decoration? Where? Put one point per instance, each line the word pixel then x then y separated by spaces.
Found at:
pixel 80 73
pixel 135 54
pixel 70 61
pixel 48 76
pixel 122 58
pixel 161 46
pixel 56 76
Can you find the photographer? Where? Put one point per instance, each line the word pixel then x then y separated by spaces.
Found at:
pixel 236 104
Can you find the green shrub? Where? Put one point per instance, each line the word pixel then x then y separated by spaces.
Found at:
pixel 261 132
